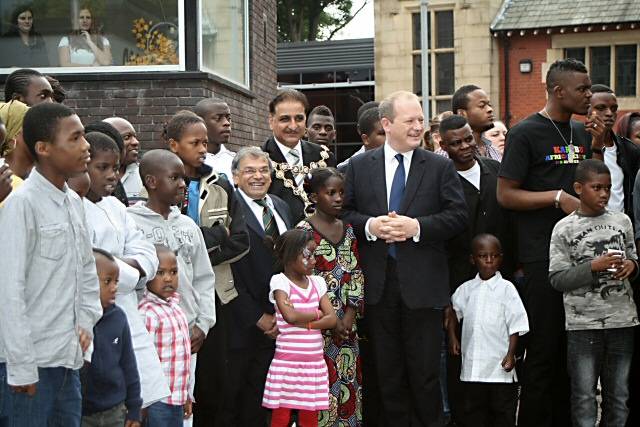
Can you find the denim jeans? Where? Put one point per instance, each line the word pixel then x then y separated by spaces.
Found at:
pixel 163 415
pixel 57 401
pixel 604 354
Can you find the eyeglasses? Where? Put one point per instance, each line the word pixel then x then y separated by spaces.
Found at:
pixel 252 171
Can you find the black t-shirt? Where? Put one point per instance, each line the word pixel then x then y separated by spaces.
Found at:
pixel 537 157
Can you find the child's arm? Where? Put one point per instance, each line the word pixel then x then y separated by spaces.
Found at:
pixel 328 319
pixel 563 275
pixel 133 399
pixel 203 283
pixel 509 361
pixel 452 330
pixel 188 409
pixel 291 315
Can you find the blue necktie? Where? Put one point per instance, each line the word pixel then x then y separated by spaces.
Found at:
pixel 396 194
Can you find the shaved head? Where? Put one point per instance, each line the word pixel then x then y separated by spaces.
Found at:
pixel 203 106
pixel 122 125
pixel 156 161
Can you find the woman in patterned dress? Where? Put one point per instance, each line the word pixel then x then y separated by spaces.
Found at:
pixel 337 262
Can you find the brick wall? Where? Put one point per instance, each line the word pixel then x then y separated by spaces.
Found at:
pixel 526 91
pixel 148 100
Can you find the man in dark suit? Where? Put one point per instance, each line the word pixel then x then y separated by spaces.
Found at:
pixel 292 157
pixel 252 329
pixel 404 204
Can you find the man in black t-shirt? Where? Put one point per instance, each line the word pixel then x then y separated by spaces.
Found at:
pixel 536 180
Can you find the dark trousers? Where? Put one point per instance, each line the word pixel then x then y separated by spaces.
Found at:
pixel 634 376
pixel 488 404
pixel 406 343
pixel 248 369
pixel 455 388
pixel 212 372
pixel 545 383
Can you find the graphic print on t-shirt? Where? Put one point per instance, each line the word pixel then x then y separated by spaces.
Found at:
pixel 562 155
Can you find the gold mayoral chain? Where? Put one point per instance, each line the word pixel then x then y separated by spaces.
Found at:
pixel 282 168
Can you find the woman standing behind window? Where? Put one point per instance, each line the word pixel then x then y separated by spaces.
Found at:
pixel 26 47
pixel 84 47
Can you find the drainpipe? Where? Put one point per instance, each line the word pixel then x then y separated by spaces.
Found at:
pixel 507 110
pixel 424 53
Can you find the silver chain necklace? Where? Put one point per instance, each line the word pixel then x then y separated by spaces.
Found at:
pixel 571 149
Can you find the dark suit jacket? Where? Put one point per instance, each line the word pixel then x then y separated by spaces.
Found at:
pixel 310 153
pixel 252 275
pixel 485 216
pixel 433 195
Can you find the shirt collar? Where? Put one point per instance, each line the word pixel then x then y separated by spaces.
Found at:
pixel 251 201
pixel 285 150
pixel 492 283
pixel 390 153
pixel 48 188
pixel 173 300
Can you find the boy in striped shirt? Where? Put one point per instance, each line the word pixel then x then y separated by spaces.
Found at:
pixel 167 324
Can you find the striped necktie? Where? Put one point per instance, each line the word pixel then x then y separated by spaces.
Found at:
pixel 268 220
pixel 294 160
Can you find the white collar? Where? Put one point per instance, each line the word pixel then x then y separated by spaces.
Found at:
pixel 285 150
pixel 390 153
pixel 492 282
pixel 251 202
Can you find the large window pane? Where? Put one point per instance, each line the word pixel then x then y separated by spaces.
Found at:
pixel 417 75
pixel 444 29
pixel 626 62
pixel 445 79
pixel 109 32
pixel 575 53
pixel 415 27
pixel 224 44
pixel 600 65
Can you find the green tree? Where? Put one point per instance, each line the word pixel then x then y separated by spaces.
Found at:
pixel 308 20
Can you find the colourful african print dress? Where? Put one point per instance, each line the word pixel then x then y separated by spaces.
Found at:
pixel 339 265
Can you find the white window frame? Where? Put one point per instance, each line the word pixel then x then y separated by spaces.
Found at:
pixel 247 57
pixel 123 68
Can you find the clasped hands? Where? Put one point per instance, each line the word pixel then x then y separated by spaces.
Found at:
pixel 394 228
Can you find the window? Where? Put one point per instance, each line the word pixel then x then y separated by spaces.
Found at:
pixel 441 59
pixel 626 66
pixel 63 36
pixel 615 66
pixel 224 39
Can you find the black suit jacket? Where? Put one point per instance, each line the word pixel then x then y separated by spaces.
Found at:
pixel 252 275
pixel 433 195
pixel 310 153
pixel 485 216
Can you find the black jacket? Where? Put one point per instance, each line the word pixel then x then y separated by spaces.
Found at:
pixel 629 161
pixel 310 153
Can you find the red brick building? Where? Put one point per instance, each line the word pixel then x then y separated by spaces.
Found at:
pixel 533 34
pixel 222 48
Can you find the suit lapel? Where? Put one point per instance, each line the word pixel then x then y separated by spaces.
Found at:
pixel 309 153
pixel 379 180
pixel 416 171
pixel 275 154
pixel 252 221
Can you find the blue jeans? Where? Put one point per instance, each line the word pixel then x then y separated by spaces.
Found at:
pixel 163 415
pixel 57 401
pixel 604 354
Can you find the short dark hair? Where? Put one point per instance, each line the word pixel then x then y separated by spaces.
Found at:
pixel 288 94
pixel 460 98
pixel 366 106
pixel 482 238
pixel 41 123
pixel 452 122
pixel 589 167
pixel 626 123
pixel 107 129
pixel 163 249
pixel 153 161
pixel 316 179
pixel 17 83
pixel 598 88
pixel 560 67
pixel 176 126
pixel 58 94
pixel 106 254
pixel 367 121
pixel 320 110
pixel 99 141
pixel 290 244
pixel 203 105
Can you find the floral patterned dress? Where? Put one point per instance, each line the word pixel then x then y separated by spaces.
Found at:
pixel 339 265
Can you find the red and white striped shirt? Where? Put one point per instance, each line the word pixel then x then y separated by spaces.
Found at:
pixel 168 327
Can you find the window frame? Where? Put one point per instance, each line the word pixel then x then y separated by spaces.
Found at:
pixel 246 84
pixel 109 69
pixel 433 51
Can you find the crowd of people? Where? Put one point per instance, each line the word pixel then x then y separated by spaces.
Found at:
pixel 448 273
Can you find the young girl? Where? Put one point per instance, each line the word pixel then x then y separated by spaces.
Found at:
pixel 336 258
pixel 298 377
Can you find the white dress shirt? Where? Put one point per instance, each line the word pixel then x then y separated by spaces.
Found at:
pixel 390 166
pixel 492 312
pixel 616 200
pixel 285 153
pixel 472 175
pixel 221 162
pixel 257 211
pixel 132 182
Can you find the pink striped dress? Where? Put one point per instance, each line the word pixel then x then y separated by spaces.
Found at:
pixel 298 377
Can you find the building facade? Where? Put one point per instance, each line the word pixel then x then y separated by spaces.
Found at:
pixel 165 56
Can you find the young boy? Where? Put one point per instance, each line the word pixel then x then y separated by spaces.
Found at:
pixel 167 324
pixel 49 281
pixel 110 384
pixel 371 132
pixel 494 317
pixel 592 256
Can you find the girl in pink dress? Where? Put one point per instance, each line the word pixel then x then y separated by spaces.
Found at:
pixel 298 377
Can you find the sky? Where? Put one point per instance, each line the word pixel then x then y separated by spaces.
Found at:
pixel 361 26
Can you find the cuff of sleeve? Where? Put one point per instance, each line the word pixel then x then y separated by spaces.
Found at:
pixel 370 237
pixel 416 238
pixel 19 374
pixel 133 414
pixel 128 274
pixel 204 325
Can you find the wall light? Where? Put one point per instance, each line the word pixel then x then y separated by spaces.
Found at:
pixel 526 66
